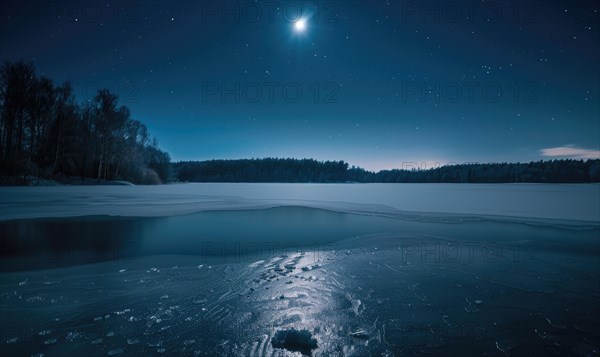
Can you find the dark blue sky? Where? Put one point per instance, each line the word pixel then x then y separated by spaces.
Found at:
pixel 383 84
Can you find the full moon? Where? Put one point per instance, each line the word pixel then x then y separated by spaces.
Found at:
pixel 300 25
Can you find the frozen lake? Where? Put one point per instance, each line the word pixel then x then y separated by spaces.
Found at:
pixel 554 201
pixel 232 269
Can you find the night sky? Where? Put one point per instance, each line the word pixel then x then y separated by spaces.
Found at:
pixel 383 84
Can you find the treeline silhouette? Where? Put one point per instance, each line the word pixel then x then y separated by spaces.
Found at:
pixel 262 170
pixel 309 170
pixel 45 133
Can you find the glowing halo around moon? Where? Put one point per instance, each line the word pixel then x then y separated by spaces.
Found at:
pixel 300 25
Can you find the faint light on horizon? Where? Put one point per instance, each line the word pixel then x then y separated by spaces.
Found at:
pixel 403 165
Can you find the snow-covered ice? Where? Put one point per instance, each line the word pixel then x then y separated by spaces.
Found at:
pixel 542 201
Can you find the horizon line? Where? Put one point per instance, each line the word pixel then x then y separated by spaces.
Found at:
pixel 411 166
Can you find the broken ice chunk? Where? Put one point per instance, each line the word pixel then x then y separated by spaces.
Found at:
pixel 362 334
pixel 295 341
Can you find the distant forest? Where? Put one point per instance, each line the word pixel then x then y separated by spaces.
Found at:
pixel 308 170
pixel 45 133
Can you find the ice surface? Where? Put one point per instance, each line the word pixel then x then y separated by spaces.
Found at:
pixel 546 201
pixel 374 285
pixel 371 302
